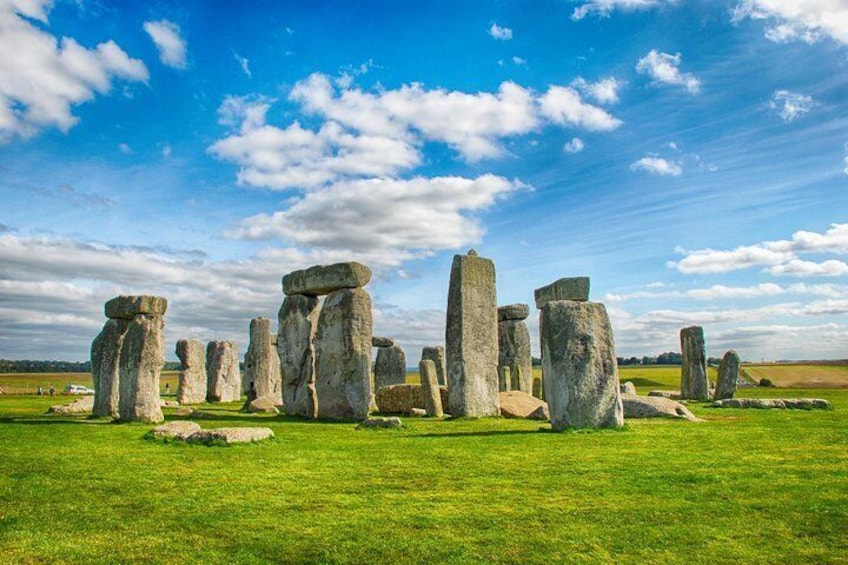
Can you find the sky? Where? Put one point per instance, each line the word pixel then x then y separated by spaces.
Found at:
pixel 689 156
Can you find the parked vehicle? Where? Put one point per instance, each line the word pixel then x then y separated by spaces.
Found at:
pixel 78 389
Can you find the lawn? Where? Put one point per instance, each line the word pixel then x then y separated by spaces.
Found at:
pixel 798 375
pixel 743 487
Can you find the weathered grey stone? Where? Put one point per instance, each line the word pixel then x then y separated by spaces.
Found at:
pixel 513 312
pixel 504 379
pixel 628 388
pixel 178 430
pixel 376 422
pixel 778 403
pixel 569 288
pixel 82 405
pixel 142 359
pixel 517 404
pixel 105 367
pixel 262 362
pixel 728 376
pixel 670 394
pixel 389 367
pixel 324 279
pixel 430 389
pixel 231 435
pixel 436 355
pixel 128 307
pixel 382 341
pixel 264 404
pixel 538 389
pixel 191 387
pixel 298 320
pixel 223 377
pixel 514 353
pixel 578 359
pixel 420 412
pixel 401 399
pixel 471 338
pixel 343 355
pixel 655 407
pixel 693 373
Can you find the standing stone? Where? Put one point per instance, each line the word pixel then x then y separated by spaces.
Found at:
pixel 223 378
pixel 324 279
pixel 105 367
pixel 471 337
pixel 693 373
pixel 504 380
pixel 514 347
pixel 437 356
pixel 580 371
pixel 142 359
pixel 728 375
pixel 191 387
pixel 430 389
pixel 389 367
pixel 343 355
pixel 262 363
pixel 298 319
pixel 573 288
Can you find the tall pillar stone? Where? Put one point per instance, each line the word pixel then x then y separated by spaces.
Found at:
pixel 105 367
pixel 693 373
pixel 514 347
pixel 343 355
pixel 298 320
pixel 436 354
pixel 430 389
pixel 728 376
pixel 578 360
pixel 471 337
pixel 262 363
pixel 223 377
pixel 389 367
pixel 191 387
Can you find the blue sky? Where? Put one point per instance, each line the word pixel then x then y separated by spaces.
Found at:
pixel 691 157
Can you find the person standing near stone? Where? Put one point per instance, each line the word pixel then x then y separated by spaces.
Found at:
pixel 728 376
pixel 390 365
pixel 262 363
pixel 471 338
pixel 514 347
pixel 693 372
pixel 191 386
pixel 223 377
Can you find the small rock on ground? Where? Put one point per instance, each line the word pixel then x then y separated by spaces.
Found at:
pixel 178 429
pixel 80 406
pixel 655 407
pixel 777 403
pixel 374 422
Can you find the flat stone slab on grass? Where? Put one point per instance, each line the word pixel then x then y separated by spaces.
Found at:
pixel 230 436
pixel 127 307
pixel 380 423
pixel 82 405
pixel 401 399
pixel 655 407
pixel 517 404
pixel 324 279
pixel 774 403
pixel 263 404
pixel 178 429
pixel 570 288
pixel 670 394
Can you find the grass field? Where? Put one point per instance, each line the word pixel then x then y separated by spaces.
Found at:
pixel 801 375
pixel 743 487
pixel 28 383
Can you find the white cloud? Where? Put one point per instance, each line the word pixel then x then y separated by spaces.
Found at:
pixel 657 166
pixel 780 256
pixel 501 33
pixel 169 42
pixel 519 61
pixel 46 77
pixel 166 150
pixel 797 20
pixel 790 105
pixel 125 149
pixel 605 91
pixel 563 105
pixel 244 63
pixel 576 145
pixel 664 69
pixel 603 8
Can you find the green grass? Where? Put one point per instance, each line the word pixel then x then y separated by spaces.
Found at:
pixel 660 377
pixel 800 375
pixel 744 487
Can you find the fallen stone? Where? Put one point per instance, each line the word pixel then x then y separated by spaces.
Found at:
pixel 694 384
pixel 390 366
pixel 263 404
pixel 106 367
pixel 430 391
pixel 381 423
pixel 513 312
pixel 628 388
pixel 655 407
pixel 298 320
pixel 82 405
pixel 471 338
pixel 382 341
pixel 142 359
pixel 418 412
pixel 324 279
pixel 262 362
pixel 191 387
pixel 177 429
pixel 223 377
pixel 775 403
pixel 128 307
pixel 401 399
pixel 670 394
pixel 436 355
pixel 517 404
pixel 569 288
pixel 170 404
pixel 184 411
pixel 230 436
pixel 728 376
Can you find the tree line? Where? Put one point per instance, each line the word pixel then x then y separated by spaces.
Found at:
pixel 31 366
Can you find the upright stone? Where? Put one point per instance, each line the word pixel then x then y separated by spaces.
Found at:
pixel 728 375
pixel 569 288
pixel 298 319
pixel 105 367
pixel 223 377
pixel 578 360
pixel 191 387
pixel 436 354
pixel 343 355
pixel 430 389
pixel 693 374
pixel 142 359
pixel 324 279
pixel 514 347
pixel 262 363
pixel 471 337
pixel 389 367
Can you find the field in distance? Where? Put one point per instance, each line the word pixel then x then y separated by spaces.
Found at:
pixel 800 375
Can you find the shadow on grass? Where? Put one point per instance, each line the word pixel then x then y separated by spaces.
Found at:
pixel 482 433
pixel 643 382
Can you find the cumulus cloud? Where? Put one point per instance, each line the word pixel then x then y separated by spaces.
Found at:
pixel 563 105
pixel 664 68
pixel 604 91
pixel 780 257
pixel 576 145
pixel 171 45
pixel 501 33
pixel 790 105
pixel 46 77
pixel 657 166
pixel 603 8
pixel 797 20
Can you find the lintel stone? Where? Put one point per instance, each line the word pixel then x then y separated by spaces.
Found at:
pixel 568 288
pixel 127 307
pixel 324 279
